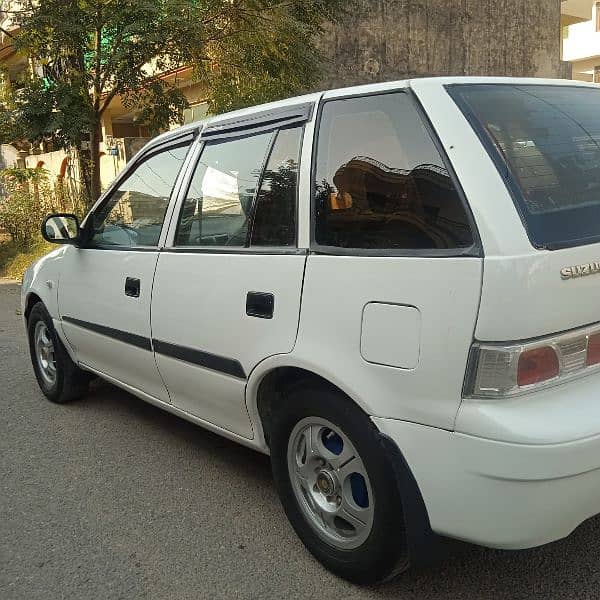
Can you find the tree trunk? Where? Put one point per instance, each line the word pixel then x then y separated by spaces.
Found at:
pixel 95 162
pixel 85 176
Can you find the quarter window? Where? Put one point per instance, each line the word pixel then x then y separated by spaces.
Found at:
pixel 275 217
pixel 218 206
pixel 135 211
pixel 380 181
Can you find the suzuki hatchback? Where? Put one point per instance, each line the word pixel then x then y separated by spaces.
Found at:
pixel 393 289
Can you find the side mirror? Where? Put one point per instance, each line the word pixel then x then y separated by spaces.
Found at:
pixel 61 228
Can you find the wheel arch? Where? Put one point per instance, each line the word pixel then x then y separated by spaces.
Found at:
pixel 269 382
pixel 49 301
pixel 31 300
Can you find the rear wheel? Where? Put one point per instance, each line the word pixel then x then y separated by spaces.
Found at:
pixel 59 378
pixel 337 486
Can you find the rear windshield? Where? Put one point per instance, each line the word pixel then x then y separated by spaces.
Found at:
pixel 546 141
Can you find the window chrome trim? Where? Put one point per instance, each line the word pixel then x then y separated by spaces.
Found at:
pixel 259 250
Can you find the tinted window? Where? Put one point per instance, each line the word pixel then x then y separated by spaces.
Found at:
pixel 275 217
pixel 135 211
pixel 380 182
pixel 218 205
pixel 549 137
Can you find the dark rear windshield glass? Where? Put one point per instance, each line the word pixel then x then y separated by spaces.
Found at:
pixel 546 141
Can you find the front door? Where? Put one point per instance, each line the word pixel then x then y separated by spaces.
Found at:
pixel 227 292
pixel 105 287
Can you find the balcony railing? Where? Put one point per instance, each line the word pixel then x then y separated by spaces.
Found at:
pixel 582 42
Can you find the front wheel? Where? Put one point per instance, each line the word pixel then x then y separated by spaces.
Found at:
pixel 337 486
pixel 59 378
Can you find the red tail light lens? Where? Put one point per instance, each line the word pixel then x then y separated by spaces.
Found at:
pixel 497 370
pixel 539 364
pixel 593 352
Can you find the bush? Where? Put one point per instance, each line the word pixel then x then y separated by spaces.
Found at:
pixel 26 197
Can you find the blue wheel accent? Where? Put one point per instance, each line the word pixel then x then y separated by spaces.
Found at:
pixel 332 441
pixel 359 490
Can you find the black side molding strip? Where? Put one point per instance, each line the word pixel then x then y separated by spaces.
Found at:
pixel 222 364
pixel 122 336
pixel 229 366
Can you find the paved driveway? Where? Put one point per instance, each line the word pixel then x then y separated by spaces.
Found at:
pixel 112 498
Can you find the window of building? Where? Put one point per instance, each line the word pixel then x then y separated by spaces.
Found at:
pixel 275 217
pixel 597 16
pixel 218 206
pixel 195 112
pixel 135 211
pixel 380 181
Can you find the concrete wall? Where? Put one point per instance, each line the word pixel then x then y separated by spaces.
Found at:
pixel 8 156
pixel 396 39
pixel 60 164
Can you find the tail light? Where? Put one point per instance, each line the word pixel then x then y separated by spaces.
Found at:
pixel 537 365
pixel 500 371
pixel 593 353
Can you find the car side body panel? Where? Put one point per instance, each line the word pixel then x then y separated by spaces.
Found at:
pixel 445 291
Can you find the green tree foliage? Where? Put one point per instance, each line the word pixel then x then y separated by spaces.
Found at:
pixel 11 123
pixel 245 51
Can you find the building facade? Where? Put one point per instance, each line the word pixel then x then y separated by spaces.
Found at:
pixel 581 38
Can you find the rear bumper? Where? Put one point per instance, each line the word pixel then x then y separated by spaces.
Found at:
pixel 498 494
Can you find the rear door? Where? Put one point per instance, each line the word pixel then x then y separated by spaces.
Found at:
pixel 105 287
pixel 228 285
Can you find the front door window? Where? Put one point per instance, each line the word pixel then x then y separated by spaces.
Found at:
pixel 135 211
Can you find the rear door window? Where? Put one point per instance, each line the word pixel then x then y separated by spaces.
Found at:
pixel 218 207
pixel 545 140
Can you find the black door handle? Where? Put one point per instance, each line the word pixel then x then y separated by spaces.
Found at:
pixel 260 304
pixel 132 287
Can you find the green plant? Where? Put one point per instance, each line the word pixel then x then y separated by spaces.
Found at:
pixel 27 196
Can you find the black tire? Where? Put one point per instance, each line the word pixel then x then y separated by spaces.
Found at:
pixel 384 553
pixel 71 382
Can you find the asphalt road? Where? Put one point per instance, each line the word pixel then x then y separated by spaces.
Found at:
pixel 110 497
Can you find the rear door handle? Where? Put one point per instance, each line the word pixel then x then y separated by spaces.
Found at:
pixel 132 287
pixel 260 304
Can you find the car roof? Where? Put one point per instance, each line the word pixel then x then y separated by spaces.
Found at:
pixel 368 88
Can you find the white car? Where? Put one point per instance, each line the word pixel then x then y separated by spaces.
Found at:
pixel 393 289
